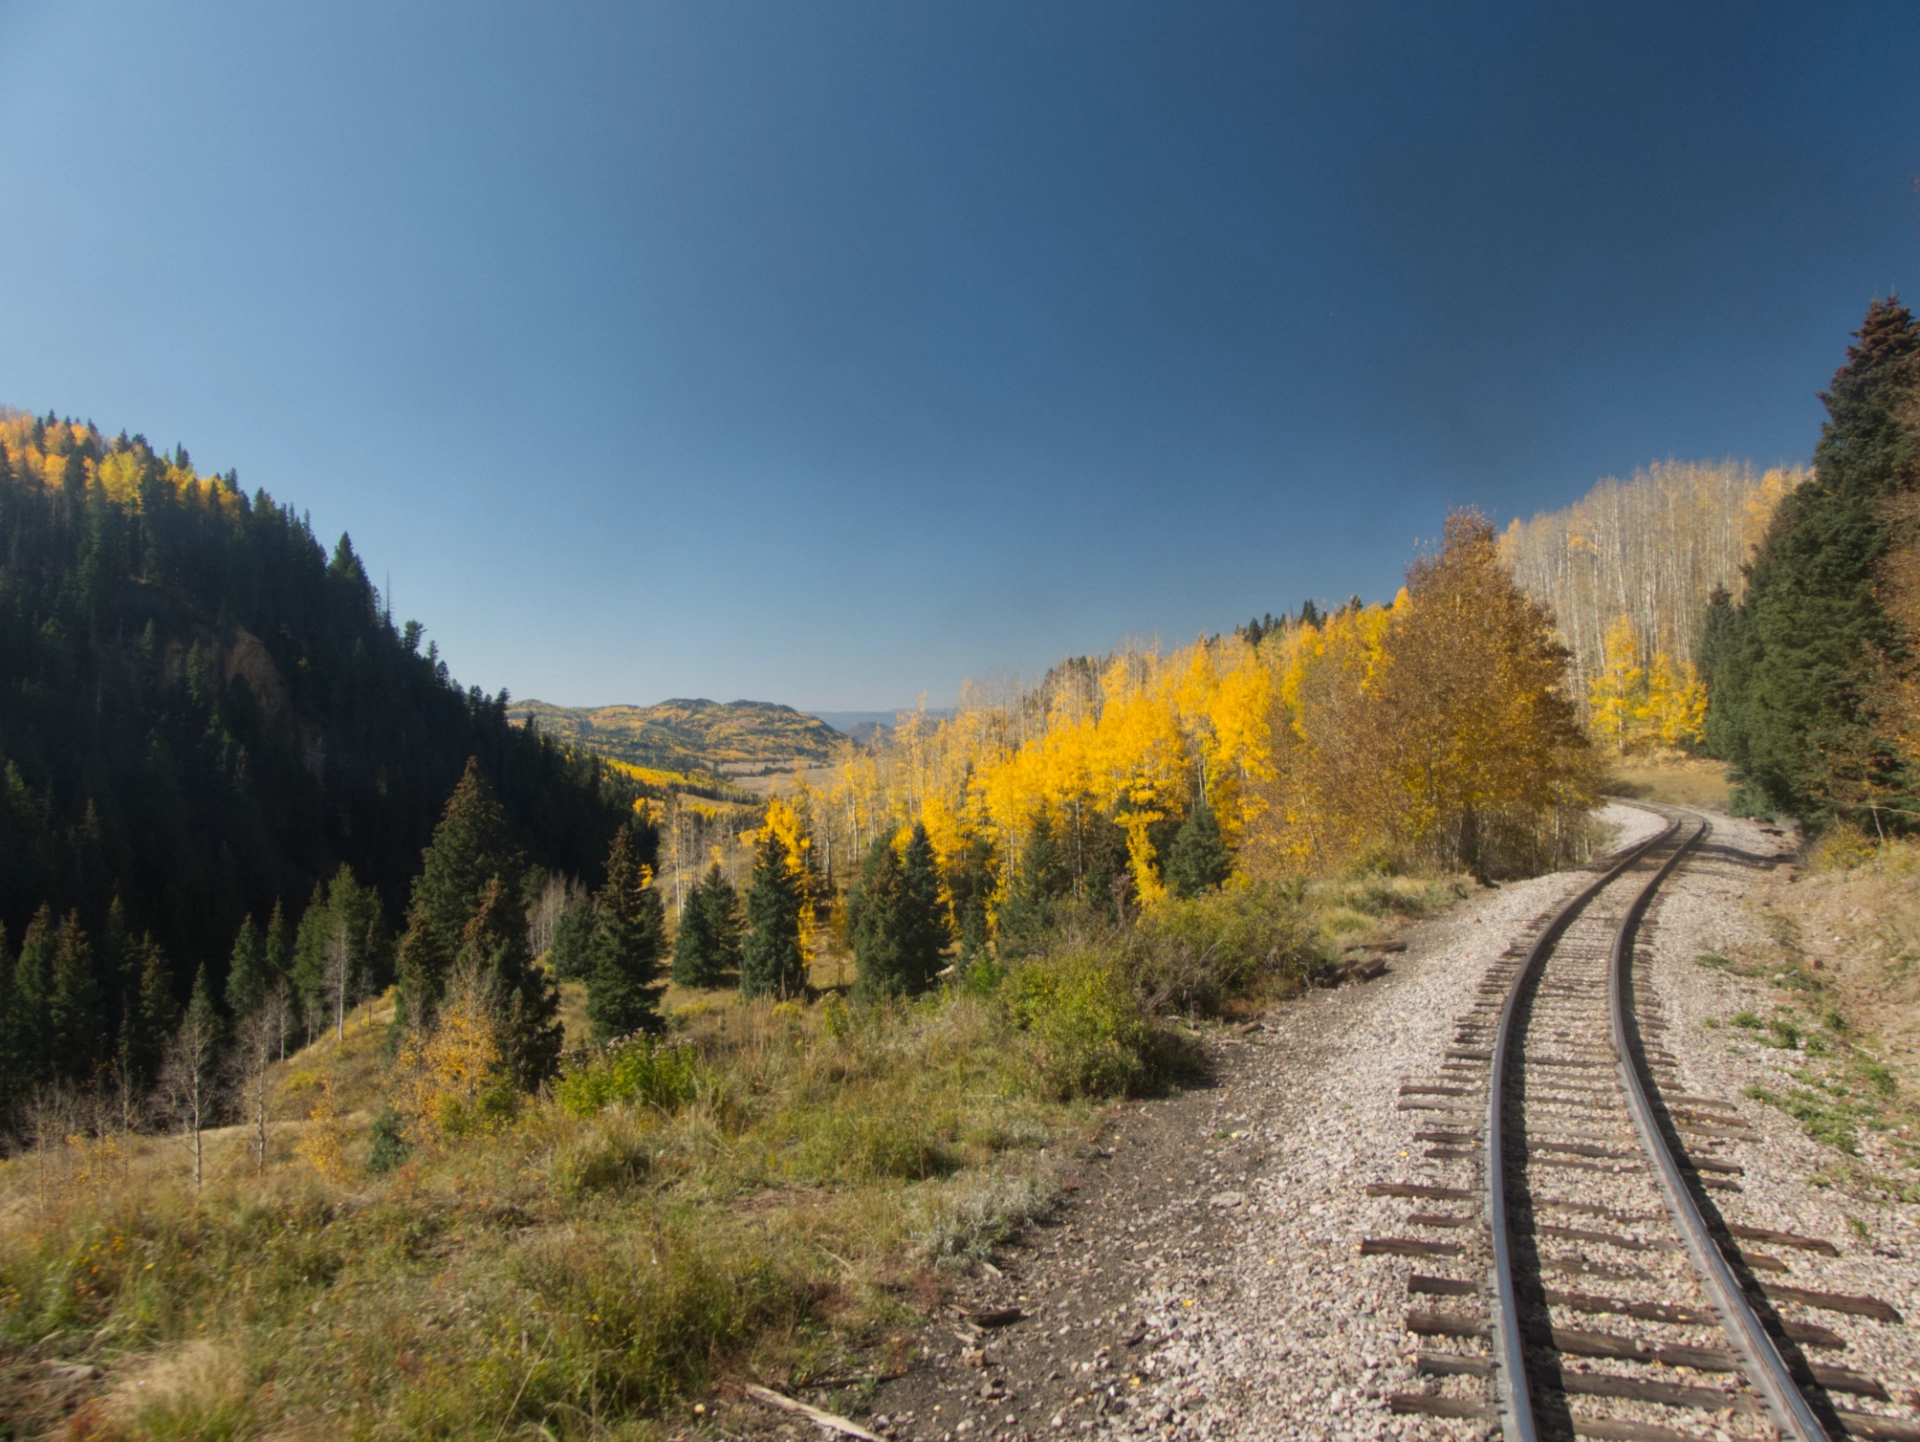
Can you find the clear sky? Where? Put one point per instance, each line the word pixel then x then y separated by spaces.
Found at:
pixel 831 352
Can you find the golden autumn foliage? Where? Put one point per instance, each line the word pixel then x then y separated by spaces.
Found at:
pixel 54 453
pixel 322 1143
pixel 1632 706
pixel 451 1079
pixel 1435 731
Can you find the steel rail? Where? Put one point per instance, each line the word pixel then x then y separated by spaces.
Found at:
pixel 1516 1394
pixel 1766 1369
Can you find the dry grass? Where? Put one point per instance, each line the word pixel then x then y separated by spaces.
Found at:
pixel 775 1197
pixel 1843 959
pixel 1673 778
pixel 577 1273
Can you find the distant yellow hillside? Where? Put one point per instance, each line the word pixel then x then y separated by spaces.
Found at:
pixel 697 741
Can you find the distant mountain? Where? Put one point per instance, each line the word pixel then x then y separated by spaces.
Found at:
pixel 692 739
pixel 865 726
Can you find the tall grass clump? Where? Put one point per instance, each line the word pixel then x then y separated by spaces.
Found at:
pixel 641 1072
pixel 1199 954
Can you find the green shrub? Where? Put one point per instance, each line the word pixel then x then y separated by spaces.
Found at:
pixel 1092 1037
pixel 1196 954
pixel 389 1148
pixel 643 1072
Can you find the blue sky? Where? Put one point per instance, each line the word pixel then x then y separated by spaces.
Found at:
pixel 832 352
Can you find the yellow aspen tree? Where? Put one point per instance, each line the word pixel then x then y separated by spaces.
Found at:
pixel 1618 693
pixel 1676 706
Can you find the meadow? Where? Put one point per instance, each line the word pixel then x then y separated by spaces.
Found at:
pixel 772 1190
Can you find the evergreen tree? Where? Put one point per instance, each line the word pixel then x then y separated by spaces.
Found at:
pixel 721 905
pixel 13 1065
pixel 310 944
pixel 76 1031
pixel 971 887
pixel 1040 882
pixel 570 958
pixel 623 987
pixel 771 961
pixel 471 849
pixel 1107 879
pixel 692 945
pixel 247 971
pixel 895 920
pixel 1200 860
pixel 117 965
pixel 707 948
pixel 278 946
pixel 876 924
pixel 33 999
pixel 525 1000
pixel 152 1017
pixel 1788 670
pixel 926 932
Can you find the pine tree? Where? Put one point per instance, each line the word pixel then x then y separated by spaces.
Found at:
pixel 311 939
pixel 721 905
pixel 1107 878
pixel 707 947
pixel 623 986
pixel 1040 882
pixel 151 1018
pixel 33 999
pixel 693 942
pixel 971 886
pixel 570 958
pixel 471 848
pixel 247 971
pixel 525 1000
pixel 1199 860
pixel 76 1031
pixel 925 933
pixel 279 945
pixel 1790 673
pixel 876 925
pixel 771 961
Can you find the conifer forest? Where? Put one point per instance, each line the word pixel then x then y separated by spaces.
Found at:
pixel 418 1063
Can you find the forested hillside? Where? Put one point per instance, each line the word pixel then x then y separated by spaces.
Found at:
pixel 203 715
pixel 692 740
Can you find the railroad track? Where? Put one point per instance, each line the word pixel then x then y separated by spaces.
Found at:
pixel 1574 1276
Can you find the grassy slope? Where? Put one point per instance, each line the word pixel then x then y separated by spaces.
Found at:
pixel 693 737
pixel 1841 958
pixel 591 1275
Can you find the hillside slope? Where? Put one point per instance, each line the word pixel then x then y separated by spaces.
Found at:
pixel 203 715
pixel 692 737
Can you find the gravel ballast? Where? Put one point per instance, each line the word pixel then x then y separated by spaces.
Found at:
pixel 1206 1279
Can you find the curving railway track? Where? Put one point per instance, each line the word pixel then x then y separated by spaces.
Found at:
pixel 1574 1276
